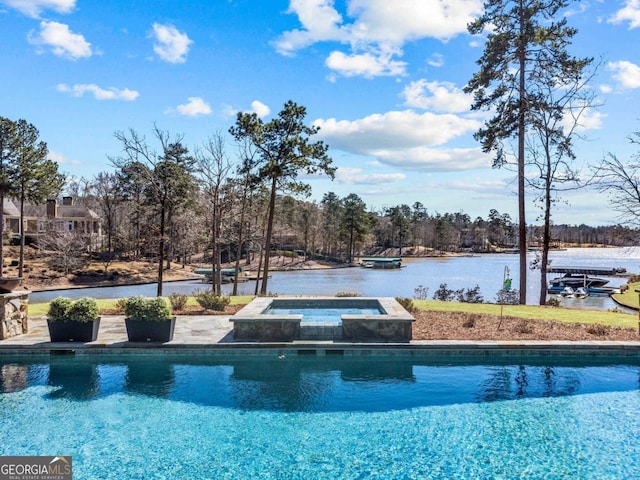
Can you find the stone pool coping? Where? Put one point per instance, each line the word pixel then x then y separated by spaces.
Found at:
pixel 212 334
pixel 394 311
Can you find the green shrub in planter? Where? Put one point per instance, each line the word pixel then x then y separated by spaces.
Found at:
pixel 135 308
pixel 70 321
pixel 148 319
pixel 157 310
pixel 63 309
pixel 154 309
pixel 59 309
pixel 84 310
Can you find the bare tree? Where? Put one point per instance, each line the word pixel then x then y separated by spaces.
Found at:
pixel 105 188
pixel 212 168
pixel 554 128
pixel 621 180
pixel 69 249
pixel 167 178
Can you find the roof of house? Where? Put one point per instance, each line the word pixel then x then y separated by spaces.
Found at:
pixel 9 208
pixel 39 211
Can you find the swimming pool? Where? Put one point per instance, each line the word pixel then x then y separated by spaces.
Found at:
pixel 284 415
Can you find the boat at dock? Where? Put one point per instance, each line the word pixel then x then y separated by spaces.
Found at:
pixel 227 275
pixel 583 278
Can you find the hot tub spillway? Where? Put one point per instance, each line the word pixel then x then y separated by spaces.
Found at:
pixel 320 330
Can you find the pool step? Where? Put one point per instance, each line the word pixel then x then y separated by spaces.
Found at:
pixel 320 331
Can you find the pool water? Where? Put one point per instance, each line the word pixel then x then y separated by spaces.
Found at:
pixel 323 315
pixel 297 416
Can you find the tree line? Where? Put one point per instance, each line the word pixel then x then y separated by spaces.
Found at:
pixel 166 203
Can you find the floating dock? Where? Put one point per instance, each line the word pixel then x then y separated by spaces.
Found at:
pixel 381 262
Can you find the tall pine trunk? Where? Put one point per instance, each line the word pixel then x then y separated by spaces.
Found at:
pixel 522 224
pixel 161 252
pixel 267 241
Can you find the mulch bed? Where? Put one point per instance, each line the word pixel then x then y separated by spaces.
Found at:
pixel 432 325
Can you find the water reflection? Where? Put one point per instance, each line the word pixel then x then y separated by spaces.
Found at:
pixel 526 381
pixel 73 380
pixel 150 378
pixel 13 377
pixel 316 383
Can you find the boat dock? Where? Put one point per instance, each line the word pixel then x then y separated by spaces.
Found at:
pixel 604 271
pixel 381 262
pixel 582 282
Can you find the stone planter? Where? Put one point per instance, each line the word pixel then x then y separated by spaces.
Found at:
pixel 150 331
pixel 73 331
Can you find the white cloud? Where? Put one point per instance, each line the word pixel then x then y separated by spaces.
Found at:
pixel 626 73
pixel 257 107
pixel 260 109
pixel 590 119
pixel 228 111
pixel 434 159
pixel 436 60
pixel 367 64
pixel 580 8
pixel 405 139
pixel 355 176
pixel 630 13
pixel 320 22
pixel 63 42
pixel 98 93
pixel 33 8
pixel 60 159
pixel 403 20
pixel 195 107
pixel 170 45
pixel 378 31
pixel 444 97
pixel 377 21
pixel 395 129
pixel 605 88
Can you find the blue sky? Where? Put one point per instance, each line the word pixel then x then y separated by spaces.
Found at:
pixel 383 79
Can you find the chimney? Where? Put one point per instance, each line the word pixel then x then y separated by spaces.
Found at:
pixel 67 201
pixel 52 208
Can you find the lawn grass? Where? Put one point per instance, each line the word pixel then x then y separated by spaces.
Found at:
pixel 630 297
pixel 41 309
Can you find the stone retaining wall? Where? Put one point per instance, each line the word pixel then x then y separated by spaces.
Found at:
pixel 13 314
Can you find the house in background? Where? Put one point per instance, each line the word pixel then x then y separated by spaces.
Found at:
pixel 41 220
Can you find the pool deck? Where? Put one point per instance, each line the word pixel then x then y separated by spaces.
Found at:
pixel 214 334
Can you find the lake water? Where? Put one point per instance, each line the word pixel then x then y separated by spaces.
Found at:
pixel 486 271
pixel 274 416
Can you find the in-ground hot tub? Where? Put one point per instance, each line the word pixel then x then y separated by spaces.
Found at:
pixel 354 319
